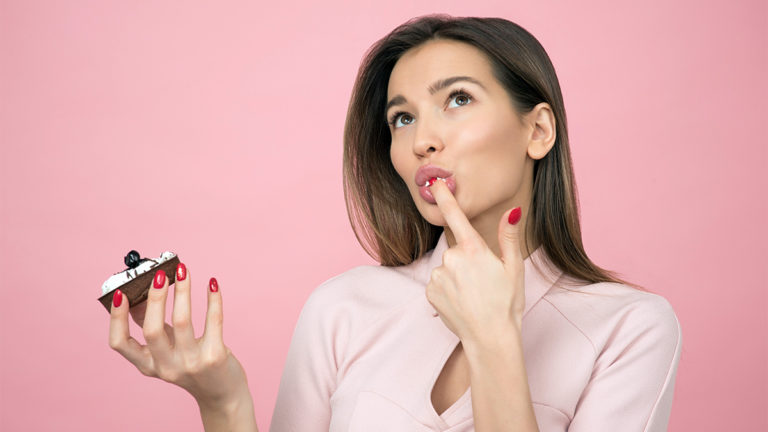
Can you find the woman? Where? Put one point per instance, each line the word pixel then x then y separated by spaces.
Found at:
pixel 458 179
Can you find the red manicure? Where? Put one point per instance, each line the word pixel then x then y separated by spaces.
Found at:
pixel 213 285
pixel 117 299
pixel 432 181
pixel 181 272
pixel 515 215
pixel 159 279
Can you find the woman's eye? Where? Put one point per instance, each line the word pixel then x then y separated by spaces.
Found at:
pixel 402 120
pixel 459 100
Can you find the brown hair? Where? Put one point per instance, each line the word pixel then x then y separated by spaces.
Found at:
pixel 383 215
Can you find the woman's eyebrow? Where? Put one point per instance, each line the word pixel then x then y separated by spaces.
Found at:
pixel 443 83
pixel 434 88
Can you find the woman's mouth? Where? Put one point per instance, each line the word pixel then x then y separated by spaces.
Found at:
pixel 426 193
pixel 429 173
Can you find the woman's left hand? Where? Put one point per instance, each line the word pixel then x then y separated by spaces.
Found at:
pixel 478 296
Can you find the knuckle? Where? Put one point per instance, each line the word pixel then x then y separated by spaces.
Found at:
pixel 152 333
pixel 181 288
pixel 473 246
pixel 436 273
pixel 182 292
pixel 168 374
pixel 511 236
pixel 215 317
pixel 449 257
pixel 215 358
pixel 115 342
pixel 147 371
pixel 181 322
pixel 193 365
pixel 155 295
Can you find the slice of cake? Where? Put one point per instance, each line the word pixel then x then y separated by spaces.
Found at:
pixel 134 281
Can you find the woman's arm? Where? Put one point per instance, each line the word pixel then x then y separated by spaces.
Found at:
pixel 309 376
pixel 233 415
pixel 481 299
pixel 632 384
pixel 501 399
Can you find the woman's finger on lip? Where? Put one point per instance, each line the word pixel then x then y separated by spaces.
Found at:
pixel 454 216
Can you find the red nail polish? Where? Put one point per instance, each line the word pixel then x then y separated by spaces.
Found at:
pixel 515 215
pixel 181 272
pixel 159 279
pixel 117 299
pixel 432 181
pixel 213 285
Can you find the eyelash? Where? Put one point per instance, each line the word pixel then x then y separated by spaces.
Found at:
pixel 460 92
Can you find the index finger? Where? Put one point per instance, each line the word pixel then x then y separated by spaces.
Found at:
pixel 454 216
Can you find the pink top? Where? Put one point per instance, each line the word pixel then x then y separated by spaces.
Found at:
pixel 367 351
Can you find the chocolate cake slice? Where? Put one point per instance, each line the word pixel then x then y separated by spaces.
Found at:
pixel 135 281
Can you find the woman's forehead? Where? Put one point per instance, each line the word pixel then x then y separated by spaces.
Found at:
pixel 418 68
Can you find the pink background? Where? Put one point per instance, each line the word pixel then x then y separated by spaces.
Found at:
pixel 214 129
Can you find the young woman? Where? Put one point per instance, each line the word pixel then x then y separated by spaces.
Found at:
pixel 458 180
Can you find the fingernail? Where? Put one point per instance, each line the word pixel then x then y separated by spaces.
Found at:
pixel 181 272
pixel 515 215
pixel 117 299
pixel 432 181
pixel 159 279
pixel 213 285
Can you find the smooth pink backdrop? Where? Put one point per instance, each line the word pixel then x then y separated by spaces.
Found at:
pixel 214 129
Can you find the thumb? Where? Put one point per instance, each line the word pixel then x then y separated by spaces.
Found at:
pixel 510 235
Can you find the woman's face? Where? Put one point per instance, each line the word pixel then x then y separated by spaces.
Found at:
pixel 447 110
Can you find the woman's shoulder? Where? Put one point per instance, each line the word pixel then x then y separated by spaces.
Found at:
pixel 607 297
pixel 363 292
pixel 612 312
pixel 368 280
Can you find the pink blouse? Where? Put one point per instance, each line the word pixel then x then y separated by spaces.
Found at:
pixel 367 350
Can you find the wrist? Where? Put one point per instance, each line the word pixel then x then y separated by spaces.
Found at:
pixel 228 403
pixel 231 409
pixel 494 338
pixel 494 346
pixel 233 413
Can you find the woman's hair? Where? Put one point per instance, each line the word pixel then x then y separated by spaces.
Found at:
pixel 383 215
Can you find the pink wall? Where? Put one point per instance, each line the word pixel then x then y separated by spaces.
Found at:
pixel 215 131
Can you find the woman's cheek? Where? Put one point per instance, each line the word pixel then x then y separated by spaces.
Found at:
pixel 402 171
pixel 474 134
pixel 395 155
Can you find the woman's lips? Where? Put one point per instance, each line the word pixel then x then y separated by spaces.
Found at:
pixel 426 194
pixel 427 172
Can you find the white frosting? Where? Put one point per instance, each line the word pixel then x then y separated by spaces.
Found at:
pixel 124 276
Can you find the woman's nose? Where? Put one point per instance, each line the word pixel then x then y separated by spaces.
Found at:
pixel 427 139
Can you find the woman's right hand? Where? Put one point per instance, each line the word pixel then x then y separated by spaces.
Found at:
pixel 204 367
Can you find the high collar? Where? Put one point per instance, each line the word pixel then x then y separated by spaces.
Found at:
pixel 537 281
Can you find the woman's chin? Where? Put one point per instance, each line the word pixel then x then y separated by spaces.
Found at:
pixel 433 216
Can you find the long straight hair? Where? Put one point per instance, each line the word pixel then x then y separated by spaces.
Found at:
pixel 383 215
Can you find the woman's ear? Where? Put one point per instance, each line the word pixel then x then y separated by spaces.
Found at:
pixel 543 132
